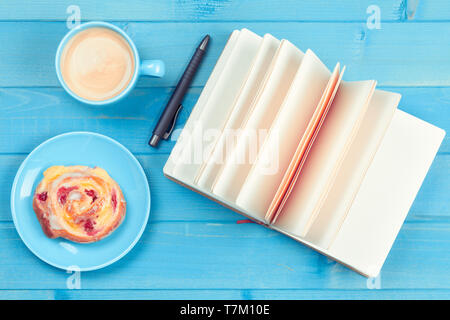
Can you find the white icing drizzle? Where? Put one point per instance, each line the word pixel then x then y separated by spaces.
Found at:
pixel 56 182
pixel 53 220
pixel 74 195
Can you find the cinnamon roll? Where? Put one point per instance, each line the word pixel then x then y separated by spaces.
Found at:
pixel 78 203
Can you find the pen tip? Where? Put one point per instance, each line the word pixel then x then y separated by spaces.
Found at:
pixel 154 141
pixel 204 42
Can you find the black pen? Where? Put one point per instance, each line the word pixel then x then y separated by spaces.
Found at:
pixel 169 116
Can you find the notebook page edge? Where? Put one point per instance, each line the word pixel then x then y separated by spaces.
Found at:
pixel 222 184
pixel 339 220
pixel 308 61
pixel 395 140
pixel 268 40
pixel 339 162
pixel 292 173
pixel 187 168
pixel 198 107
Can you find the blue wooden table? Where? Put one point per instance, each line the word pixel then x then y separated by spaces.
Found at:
pixel 193 248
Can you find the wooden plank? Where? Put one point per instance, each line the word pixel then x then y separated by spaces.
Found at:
pixel 396 55
pixel 369 294
pixel 201 10
pixel 198 255
pixel 34 115
pixel 227 294
pixel 201 250
pixel 189 206
pixel 172 10
pixel 29 116
pixel 432 199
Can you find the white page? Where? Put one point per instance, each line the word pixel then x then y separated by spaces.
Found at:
pixel 368 138
pixel 218 106
pixel 352 249
pixel 285 134
pixel 387 193
pixel 201 102
pixel 239 113
pixel 305 145
pixel 325 157
pixel 384 197
pixel 267 104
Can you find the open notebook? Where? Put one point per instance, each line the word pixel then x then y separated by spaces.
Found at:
pixel 278 137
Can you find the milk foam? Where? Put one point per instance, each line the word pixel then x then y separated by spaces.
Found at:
pixel 97 64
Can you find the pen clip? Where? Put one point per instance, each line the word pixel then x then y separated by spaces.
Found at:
pixel 174 120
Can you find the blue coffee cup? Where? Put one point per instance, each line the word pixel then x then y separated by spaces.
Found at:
pixel 152 68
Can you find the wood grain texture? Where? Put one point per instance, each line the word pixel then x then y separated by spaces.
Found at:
pixel 225 294
pixel 208 255
pixel 31 115
pixel 191 206
pixel 384 55
pixel 216 10
pixel 193 248
pixel 225 10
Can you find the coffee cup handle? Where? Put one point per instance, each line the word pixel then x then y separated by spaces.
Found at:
pixel 153 68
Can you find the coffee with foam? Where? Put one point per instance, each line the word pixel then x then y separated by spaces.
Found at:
pixel 97 64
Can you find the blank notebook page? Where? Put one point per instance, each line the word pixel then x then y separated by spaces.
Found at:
pixel 282 71
pixel 284 136
pixel 201 102
pixel 386 193
pixel 218 106
pixel 344 117
pixel 375 123
pixel 303 148
pixel 240 112
pixel 344 189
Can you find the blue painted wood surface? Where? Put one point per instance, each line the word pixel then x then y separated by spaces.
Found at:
pixel 193 248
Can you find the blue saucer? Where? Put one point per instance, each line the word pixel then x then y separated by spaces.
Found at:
pixel 90 149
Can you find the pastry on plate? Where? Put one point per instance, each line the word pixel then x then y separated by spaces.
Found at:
pixel 78 203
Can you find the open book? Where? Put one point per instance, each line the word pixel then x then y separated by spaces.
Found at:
pixel 278 137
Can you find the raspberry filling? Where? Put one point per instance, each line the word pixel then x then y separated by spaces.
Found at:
pixel 92 194
pixel 89 227
pixel 42 196
pixel 63 192
pixel 114 200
